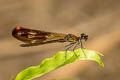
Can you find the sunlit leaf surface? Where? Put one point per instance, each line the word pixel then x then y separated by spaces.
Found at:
pixel 59 60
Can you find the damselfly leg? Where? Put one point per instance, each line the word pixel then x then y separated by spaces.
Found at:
pixel 81 45
pixel 67 47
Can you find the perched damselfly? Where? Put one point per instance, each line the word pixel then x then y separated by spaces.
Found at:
pixel 31 36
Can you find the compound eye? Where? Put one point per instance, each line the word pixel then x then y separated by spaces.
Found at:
pixel 86 37
pixel 82 34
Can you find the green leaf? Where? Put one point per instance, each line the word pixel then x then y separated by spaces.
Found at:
pixel 57 61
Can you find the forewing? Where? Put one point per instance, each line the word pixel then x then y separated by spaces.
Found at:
pixel 35 36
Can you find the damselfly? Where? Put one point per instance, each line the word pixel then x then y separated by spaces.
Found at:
pixel 32 36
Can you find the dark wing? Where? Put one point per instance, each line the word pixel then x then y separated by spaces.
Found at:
pixel 36 36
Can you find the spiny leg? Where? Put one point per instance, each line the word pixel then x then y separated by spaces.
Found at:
pixel 82 48
pixel 77 43
pixel 70 44
pixel 68 47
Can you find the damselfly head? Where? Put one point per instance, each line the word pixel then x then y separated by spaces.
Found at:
pixel 83 37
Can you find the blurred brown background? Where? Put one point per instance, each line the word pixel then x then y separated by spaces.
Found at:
pixel 100 19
